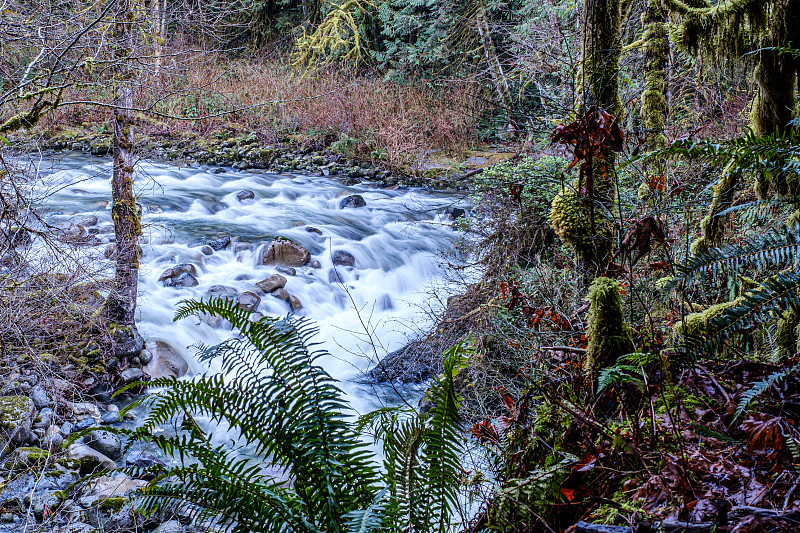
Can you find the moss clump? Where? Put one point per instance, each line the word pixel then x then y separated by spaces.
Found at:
pixel 696 323
pixel 571 220
pixel 28 458
pixel 609 335
pixel 68 463
pixel 113 504
pixel 14 409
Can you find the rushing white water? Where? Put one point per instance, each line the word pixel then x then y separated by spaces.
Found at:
pixel 397 241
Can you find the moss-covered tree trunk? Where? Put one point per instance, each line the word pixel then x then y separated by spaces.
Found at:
pixel 584 219
pixel 120 306
pixel 656 58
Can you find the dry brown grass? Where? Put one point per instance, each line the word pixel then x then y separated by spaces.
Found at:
pixel 373 118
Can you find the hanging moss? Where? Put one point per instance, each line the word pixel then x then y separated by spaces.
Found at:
pixel 609 335
pixel 712 225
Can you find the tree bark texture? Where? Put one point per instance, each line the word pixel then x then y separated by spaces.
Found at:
pixel 121 304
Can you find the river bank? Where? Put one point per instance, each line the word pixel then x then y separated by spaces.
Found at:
pixel 439 169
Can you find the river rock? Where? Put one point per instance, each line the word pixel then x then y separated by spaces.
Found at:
pixel 129 375
pixel 16 415
pixel 90 460
pixel 111 417
pixel 143 460
pixel 414 363
pixel 315 264
pixel 221 243
pixel 86 221
pixel 171 526
pixel 355 200
pixel 41 399
pixel 289 271
pixel 222 291
pixel 127 341
pixel 84 423
pixel 206 250
pixel 166 362
pixel 183 280
pixel 74 233
pixel 286 253
pixel 104 442
pixel 104 487
pixel 53 441
pixel 145 356
pixel 249 301
pixel 457 213
pixel 176 271
pixel 245 195
pixel 283 294
pixel 342 258
pixel 314 230
pixel 271 283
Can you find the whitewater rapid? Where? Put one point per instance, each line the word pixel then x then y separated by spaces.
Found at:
pixel 399 241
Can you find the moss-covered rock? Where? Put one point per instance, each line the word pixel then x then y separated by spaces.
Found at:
pixel 16 415
pixel 27 458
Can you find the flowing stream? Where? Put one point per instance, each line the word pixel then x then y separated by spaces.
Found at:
pixel 397 240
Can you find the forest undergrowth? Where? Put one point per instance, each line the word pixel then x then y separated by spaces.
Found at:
pixel 665 390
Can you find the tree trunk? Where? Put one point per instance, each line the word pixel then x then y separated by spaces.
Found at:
pixel 121 303
pixel 499 79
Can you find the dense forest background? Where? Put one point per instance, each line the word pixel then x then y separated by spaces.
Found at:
pixel 624 346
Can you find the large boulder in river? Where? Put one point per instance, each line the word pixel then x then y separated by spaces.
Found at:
pixel 167 361
pixel 342 258
pixel 273 282
pixel 284 252
pixel 355 200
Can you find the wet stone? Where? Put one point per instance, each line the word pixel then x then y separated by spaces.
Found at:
pixel 84 423
pixel 353 201
pixel 342 258
pixel 221 243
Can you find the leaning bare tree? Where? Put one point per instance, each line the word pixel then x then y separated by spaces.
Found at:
pixel 110 55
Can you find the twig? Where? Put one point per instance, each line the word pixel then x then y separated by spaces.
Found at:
pixel 564 349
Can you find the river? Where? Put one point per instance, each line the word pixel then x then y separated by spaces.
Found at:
pixel 399 241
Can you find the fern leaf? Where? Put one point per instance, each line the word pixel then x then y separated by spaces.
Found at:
pixel 760 387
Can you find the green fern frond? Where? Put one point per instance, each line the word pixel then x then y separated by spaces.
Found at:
pixel 778 247
pixel 287 408
pixel 775 295
pixel 760 387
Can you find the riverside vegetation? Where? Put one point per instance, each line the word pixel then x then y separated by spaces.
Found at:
pixel 621 354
